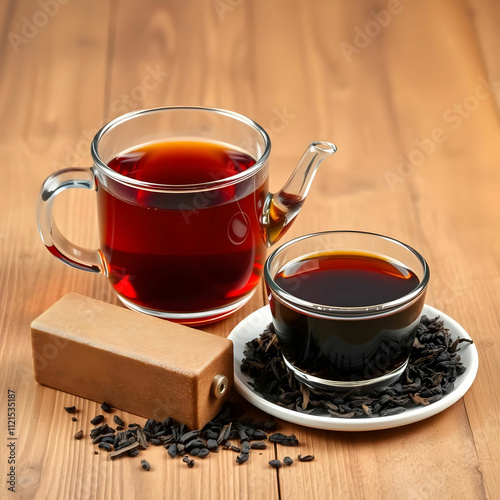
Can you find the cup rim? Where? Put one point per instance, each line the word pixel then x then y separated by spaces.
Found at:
pixel 195 187
pixel 322 310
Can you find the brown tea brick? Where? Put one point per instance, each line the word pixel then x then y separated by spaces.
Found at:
pixel 134 362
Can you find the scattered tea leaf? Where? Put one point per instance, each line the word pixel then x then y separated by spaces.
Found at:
pixel 173 451
pixel 284 440
pixel 142 439
pixel 242 458
pixel 123 451
pixel 258 445
pixel 106 407
pixel 97 420
pixel 195 443
pixel 259 435
pixel 212 445
pixel 118 421
pixel 189 436
pixel 211 434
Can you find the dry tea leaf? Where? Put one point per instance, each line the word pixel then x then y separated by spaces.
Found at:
pixel 212 445
pixel 432 370
pixel 123 451
pixel 242 458
pixel 258 445
pixel 284 440
pixel 419 400
pixel 118 421
pixel 97 420
pixel 173 451
pixel 105 407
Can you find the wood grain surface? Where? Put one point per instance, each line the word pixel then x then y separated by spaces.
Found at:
pixel 410 93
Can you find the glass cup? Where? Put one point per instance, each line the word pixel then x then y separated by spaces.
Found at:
pixel 192 253
pixel 342 348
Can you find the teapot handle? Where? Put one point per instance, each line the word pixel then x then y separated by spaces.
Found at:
pixel 57 244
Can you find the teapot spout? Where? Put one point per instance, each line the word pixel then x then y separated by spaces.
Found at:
pixel 282 207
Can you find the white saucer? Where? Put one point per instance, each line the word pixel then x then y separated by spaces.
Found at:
pixel 253 325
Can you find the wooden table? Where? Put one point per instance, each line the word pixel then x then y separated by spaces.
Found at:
pixel 408 90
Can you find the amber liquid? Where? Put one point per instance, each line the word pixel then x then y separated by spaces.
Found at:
pixel 340 349
pixel 182 252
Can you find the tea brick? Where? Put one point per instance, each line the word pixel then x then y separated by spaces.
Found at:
pixel 134 362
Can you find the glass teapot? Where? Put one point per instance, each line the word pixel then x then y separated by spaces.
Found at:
pixel 186 238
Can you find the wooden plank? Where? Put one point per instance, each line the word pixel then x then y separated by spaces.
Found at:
pixel 476 305
pixel 484 14
pixel 46 89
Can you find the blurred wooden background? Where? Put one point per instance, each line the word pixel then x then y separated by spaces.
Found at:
pixel 408 90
